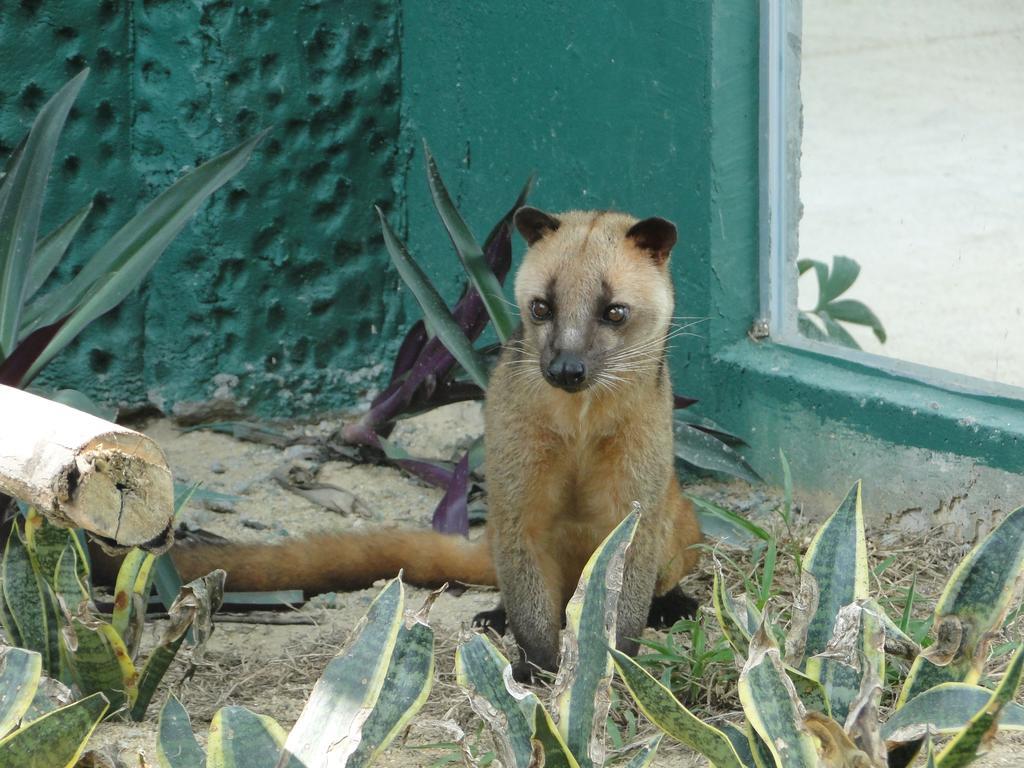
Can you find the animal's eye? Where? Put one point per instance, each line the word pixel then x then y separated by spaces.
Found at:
pixel 540 310
pixel 616 313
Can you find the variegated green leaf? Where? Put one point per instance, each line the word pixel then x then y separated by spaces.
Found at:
pixel 131 591
pixel 55 740
pixel 99 660
pixel 971 608
pixel 508 709
pixel 772 706
pixel 963 748
pixel 406 687
pixel 664 710
pixel 945 709
pixel 590 630
pixel 547 739
pixel 838 560
pixel 740 742
pixel 176 745
pixel 24 596
pixel 20 671
pixel 45 543
pixel 241 739
pixel 330 726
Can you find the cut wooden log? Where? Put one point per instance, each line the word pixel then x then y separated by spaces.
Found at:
pixel 83 472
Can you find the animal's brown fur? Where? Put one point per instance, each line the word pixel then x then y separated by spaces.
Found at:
pixel 563 468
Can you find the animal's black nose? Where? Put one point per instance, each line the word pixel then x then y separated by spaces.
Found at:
pixel 567 371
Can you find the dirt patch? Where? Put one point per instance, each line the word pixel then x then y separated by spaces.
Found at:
pixel 271 668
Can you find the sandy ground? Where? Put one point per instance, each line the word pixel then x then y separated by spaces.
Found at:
pixel 913 164
pixel 271 669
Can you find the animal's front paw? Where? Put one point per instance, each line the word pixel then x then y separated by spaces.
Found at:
pixel 495 620
pixel 669 608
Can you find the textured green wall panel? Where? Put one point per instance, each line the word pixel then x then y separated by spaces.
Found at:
pixel 281 281
pixel 280 292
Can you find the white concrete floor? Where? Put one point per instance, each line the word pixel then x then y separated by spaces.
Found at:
pixel 913 164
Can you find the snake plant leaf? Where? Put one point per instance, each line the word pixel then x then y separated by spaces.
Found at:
pixel 67 582
pixel 862 722
pixel 24 597
pixel 837 558
pixel 98 659
pixel 929 753
pixel 45 543
pixel 21 205
pixel 854 655
pixel 55 740
pixel 971 607
pixel 192 611
pixel 434 309
pixel 176 745
pixel 406 686
pixel 241 739
pixel 50 250
pixel 118 267
pixel 131 590
pixel 586 666
pixel 664 710
pixel 772 706
pixel 549 743
pixel 470 253
pixel 508 709
pixel 740 741
pixel 331 724
pixel 20 671
pixel 644 757
pixel 963 748
pixel 945 709
pixel 762 756
pixel 50 695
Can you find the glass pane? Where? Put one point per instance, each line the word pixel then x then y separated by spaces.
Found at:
pixel 912 165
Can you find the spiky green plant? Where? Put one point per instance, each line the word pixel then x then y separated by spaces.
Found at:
pixel 36 732
pixel 816 701
pixel 367 694
pixel 34 328
pixel 46 606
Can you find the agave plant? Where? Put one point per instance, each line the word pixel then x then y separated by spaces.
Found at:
pixel 35 730
pixel 46 607
pixel 437 363
pixel 34 328
pixel 365 697
pixel 816 701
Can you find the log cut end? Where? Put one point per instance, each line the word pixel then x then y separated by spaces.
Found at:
pixel 119 488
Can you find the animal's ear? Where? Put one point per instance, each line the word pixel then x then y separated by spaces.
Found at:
pixel 533 223
pixel 654 235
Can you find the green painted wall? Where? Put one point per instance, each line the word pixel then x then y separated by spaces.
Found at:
pixel 279 289
pixel 280 296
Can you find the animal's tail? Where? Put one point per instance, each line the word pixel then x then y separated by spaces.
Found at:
pixel 344 561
